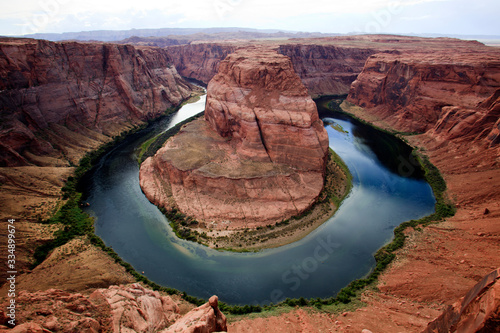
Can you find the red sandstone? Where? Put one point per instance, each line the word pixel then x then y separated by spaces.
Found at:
pixel 259 156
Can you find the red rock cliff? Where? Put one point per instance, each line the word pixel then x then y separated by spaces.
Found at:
pixel 259 101
pixel 326 66
pixel 54 96
pixel 200 61
pixel 450 95
pixel 258 157
pixel 124 308
pixel 327 69
pixel 324 69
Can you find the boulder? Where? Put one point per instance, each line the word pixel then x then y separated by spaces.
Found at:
pixel 204 319
pixel 478 311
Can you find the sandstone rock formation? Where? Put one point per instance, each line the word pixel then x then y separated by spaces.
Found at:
pixel 119 309
pixel 326 66
pixel 418 286
pixel 199 61
pixel 449 96
pixel 137 309
pixel 327 69
pixel 57 99
pixel 258 157
pixel 478 311
pixel 324 69
pixel 206 318
pixel 259 102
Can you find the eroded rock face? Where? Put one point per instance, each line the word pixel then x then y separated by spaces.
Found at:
pixel 136 309
pixel 326 66
pixel 327 69
pixel 206 318
pixel 449 97
pixel 478 311
pixel 119 309
pixel 60 311
pixel 259 155
pixel 199 61
pixel 323 69
pixel 259 102
pixel 60 98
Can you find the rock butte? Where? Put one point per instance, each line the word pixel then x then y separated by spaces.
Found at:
pixel 259 155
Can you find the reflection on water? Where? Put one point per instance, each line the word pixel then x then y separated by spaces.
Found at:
pixel 319 265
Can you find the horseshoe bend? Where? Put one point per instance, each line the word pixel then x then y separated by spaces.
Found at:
pixel 258 156
pixel 233 169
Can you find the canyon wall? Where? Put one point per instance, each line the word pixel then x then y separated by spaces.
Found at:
pixel 200 61
pixel 326 66
pixel 58 100
pixel 451 96
pixel 324 69
pixel 259 155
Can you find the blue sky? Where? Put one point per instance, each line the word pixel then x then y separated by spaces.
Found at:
pixel 328 16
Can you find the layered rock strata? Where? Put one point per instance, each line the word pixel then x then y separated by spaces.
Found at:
pixel 478 311
pixel 259 155
pixel 59 99
pixel 326 66
pixel 451 97
pixel 124 308
pixel 327 69
pixel 200 61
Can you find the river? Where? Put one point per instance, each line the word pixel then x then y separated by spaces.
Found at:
pixel 387 190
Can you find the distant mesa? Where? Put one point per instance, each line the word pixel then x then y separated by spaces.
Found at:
pixel 258 156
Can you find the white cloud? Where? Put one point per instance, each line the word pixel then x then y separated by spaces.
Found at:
pixel 316 15
pixel 416 18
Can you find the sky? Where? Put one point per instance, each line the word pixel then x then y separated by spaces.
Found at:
pixel 480 17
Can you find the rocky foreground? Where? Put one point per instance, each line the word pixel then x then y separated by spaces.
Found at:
pixel 130 308
pixel 258 157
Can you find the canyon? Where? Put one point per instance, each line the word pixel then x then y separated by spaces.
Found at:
pixel 326 66
pixel 447 106
pixel 60 100
pixel 258 156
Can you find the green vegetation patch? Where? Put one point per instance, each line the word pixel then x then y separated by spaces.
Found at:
pixel 74 220
pixel 151 146
pixel 338 128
